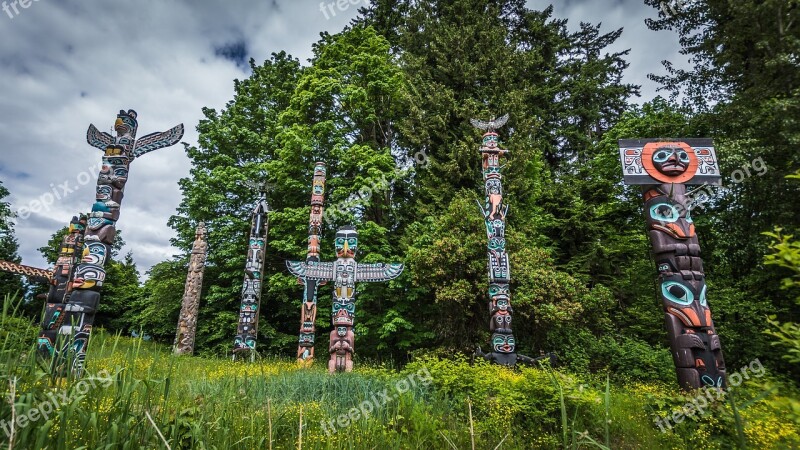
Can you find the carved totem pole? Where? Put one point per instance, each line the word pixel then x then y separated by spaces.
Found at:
pixel 187 321
pixel 247 331
pixel 79 311
pixel 59 277
pixel 664 169
pixel 345 273
pixel 494 214
pixel 61 287
pixel 308 313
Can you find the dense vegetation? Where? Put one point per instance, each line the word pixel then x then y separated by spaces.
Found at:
pixel 136 394
pixel 385 103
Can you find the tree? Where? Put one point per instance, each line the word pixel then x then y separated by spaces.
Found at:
pixel 157 308
pixel 234 146
pixel 120 292
pixel 9 284
pixel 469 58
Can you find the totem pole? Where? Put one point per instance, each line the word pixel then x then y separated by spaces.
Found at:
pixel 90 273
pixel 247 331
pixel 308 313
pixel 59 278
pixel 494 214
pixel 61 287
pixel 664 168
pixel 345 273
pixel 187 321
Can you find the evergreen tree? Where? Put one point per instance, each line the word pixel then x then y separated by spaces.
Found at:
pixel 470 58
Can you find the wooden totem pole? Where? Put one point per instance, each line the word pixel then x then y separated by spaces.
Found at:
pixel 308 314
pixel 247 331
pixel 664 168
pixel 345 273
pixel 59 277
pixel 119 151
pixel 60 281
pixel 494 214
pixel 187 321
pixel 61 287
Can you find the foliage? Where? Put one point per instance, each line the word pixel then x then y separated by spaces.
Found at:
pixel 786 254
pixel 197 402
pixel 9 284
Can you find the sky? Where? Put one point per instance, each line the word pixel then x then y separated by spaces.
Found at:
pixel 66 63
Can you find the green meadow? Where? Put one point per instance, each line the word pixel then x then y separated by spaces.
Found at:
pixel 136 394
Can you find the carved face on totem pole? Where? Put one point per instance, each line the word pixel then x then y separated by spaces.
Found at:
pixel 669 217
pixel 126 122
pixel 317 188
pixel 346 242
pixel 306 340
pixel 670 160
pixel 88 276
pixel 248 343
pixel 503 343
pixel 499 296
pixel 685 302
pixel 491 141
pixel 94 252
pixel 652 161
pixel 114 172
pixel 308 316
pixel 344 313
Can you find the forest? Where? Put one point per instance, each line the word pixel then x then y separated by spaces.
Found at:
pixel 386 103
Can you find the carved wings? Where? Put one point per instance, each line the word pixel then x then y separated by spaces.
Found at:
pixel 490 125
pixel 155 141
pixel 146 144
pixel 324 271
pixel 377 272
pixel 98 139
pixel 312 270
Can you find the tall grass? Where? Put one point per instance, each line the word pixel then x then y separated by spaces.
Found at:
pixel 137 394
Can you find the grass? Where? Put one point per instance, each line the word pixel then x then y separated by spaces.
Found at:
pixel 136 394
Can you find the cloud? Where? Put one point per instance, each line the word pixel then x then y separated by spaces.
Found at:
pixel 66 64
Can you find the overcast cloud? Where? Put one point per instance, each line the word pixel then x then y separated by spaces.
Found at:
pixel 66 64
